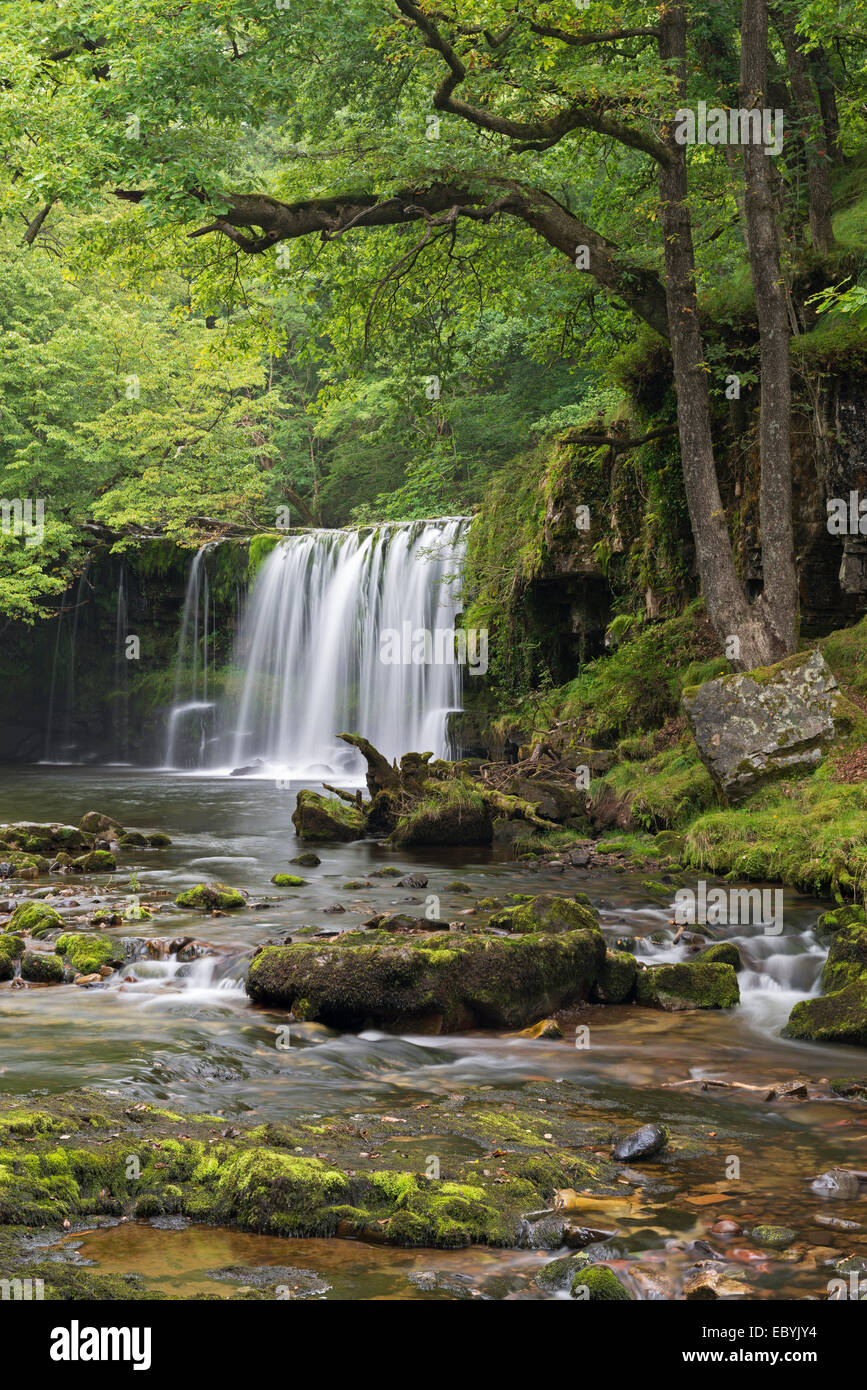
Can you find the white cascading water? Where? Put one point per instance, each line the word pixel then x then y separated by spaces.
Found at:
pixel 311 641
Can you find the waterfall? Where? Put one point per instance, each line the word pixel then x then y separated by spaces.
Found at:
pixel 311 647
pixel 190 703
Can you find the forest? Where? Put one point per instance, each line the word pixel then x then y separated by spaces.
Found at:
pixel 433 608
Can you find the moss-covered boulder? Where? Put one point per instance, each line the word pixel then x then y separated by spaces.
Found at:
pixel 98 861
pixel 758 725
pixel 42 967
pixel 307 860
pixel 133 839
pixel 326 818
pixel 554 800
pixel 441 986
pixel 548 912
pixel 87 952
pixel 616 980
pixel 847 958
pixel 287 880
pixel 690 985
pixel 158 840
pixel 599 1284
pixel 11 949
pixel 724 953
pixel 211 897
pixel 33 919
pixel 840 1017
pixel 852 914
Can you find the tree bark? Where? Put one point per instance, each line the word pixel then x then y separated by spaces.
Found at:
pixel 779 599
pixel 812 131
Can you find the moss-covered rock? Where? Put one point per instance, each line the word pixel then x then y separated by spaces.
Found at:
pixel 691 985
pixel 288 881
pixel 758 725
pixel 559 1273
pixel 548 912
pixel 41 967
pixel 33 919
pixel 319 817
pixel 11 949
pixel 98 861
pixel 133 839
pixel 87 952
pixel 211 897
pixel 852 914
pixel 599 1284
pixel 616 981
pixel 466 981
pixel 847 958
pixel 158 840
pixel 778 1237
pixel 307 860
pixel 722 952
pixel 837 1018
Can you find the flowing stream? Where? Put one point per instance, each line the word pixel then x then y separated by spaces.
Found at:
pixel 186 1036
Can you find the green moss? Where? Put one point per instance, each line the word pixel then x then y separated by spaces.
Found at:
pixel 88 952
pixel 323 818
pixel 616 981
pixel 723 952
pixel 209 897
pixel 98 861
pixel 847 958
pixel 451 812
pixel 598 1284
pixel 548 912
pixel 41 967
pixel 840 1017
pixel 33 919
pixel 665 792
pixel 288 881
pixel 691 985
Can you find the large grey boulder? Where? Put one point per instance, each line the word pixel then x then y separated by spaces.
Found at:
pixel 752 727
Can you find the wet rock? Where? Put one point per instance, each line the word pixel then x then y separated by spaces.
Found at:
pixel 840 1017
pixel 849 1086
pixel 34 919
pixel 291 1281
pixel 353 884
pixel 547 912
pixel 690 985
pixel 458 886
pixel 87 981
pixel 287 881
pixel 789 1090
pixel 334 908
pixel 454 1286
pixel 326 818
pixel 308 860
pixel 847 957
pixel 474 981
pixel 725 1227
pixel 616 982
pixel 158 840
pixel 778 1237
pixel 132 839
pixel 852 914
pixel 93 822
pixel 558 1274
pixel 207 897
pixel 837 1182
pixel 98 861
pixel 643 1143
pixel 412 881
pixel 545 1028
pixel 40 967
pixel 837 1223
pixel 708 1281
pixel 598 1284
pixel 722 952
pixel 755 726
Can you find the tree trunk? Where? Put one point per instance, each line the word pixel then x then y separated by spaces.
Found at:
pixel 779 600
pixel 812 132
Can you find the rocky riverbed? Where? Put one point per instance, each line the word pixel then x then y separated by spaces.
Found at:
pixel 322 1060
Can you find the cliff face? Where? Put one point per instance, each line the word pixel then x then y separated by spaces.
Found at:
pixel 94 684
